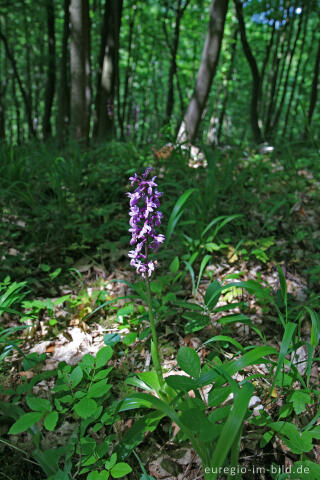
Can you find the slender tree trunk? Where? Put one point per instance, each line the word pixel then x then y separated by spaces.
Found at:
pixel 78 51
pixel 25 97
pixel 17 109
pixel 108 70
pixel 3 88
pixel 297 100
pixel 314 87
pixel 51 80
pixel 173 48
pixel 297 70
pixel 256 80
pixel 28 75
pixel 87 64
pixel 266 59
pixel 206 72
pixel 228 78
pixel 285 86
pixel 122 116
pixel 63 114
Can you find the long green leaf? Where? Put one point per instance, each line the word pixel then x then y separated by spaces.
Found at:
pixel 177 212
pixel 285 344
pixel 232 426
pixel 203 265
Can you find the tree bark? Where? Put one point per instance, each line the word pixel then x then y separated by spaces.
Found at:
pixel 79 9
pixel 285 86
pixel 173 48
pixel 314 87
pixel 206 72
pixel 108 70
pixel 256 80
pixel 51 79
pixel 10 56
pixel 63 114
pixel 122 115
pixel 226 94
pixel 295 80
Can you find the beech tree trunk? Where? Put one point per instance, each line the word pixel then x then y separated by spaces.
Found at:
pixel 256 79
pixel 108 79
pixel 51 80
pixel 63 114
pixel 79 10
pixel 206 72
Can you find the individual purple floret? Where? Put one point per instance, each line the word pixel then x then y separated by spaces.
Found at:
pixel 144 217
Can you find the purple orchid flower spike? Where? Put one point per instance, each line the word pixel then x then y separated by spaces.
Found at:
pixel 144 218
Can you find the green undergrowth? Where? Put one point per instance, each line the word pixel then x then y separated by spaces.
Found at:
pixel 62 205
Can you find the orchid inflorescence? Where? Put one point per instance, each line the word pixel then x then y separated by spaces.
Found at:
pixel 145 217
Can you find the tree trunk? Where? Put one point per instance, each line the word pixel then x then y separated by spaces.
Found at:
pixel 51 80
pixel 314 87
pixel 122 116
pixel 63 114
pixel 3 88
pixel 87 64
pixel 78 50
pixel 25 97
pixel 173 48
pixel 108 70
pixel 256 80
pixel 297 70
pixel 228 78
pixel 285 86
pixel 206 72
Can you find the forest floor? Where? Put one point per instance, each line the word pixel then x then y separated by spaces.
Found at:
pixel 70 281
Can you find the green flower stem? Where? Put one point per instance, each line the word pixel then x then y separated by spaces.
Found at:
pixel 154 343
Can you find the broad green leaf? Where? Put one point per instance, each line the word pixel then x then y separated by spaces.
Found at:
pixel 299 399
pixel 98 389
pixel 26 421
pixel 253 356
pixel 195 419
pixel 85 408
pixel 219 414
pixel 305 470
pixel 218 395
pixel 196 321
pixel 111 462
pixel 51 420
pixel 120 470
pixel 174 265
pixel 212 294
pixel 103 356
pixel 189 361
pixel 75 376
pixel 180 382
pixel 88 361
pixel 130 338
pixel 111 339
pixel 102 374
pixel 225 338
pixel 151 379
pixel 39 404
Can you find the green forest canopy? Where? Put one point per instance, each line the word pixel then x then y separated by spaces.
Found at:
pixel 127 69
